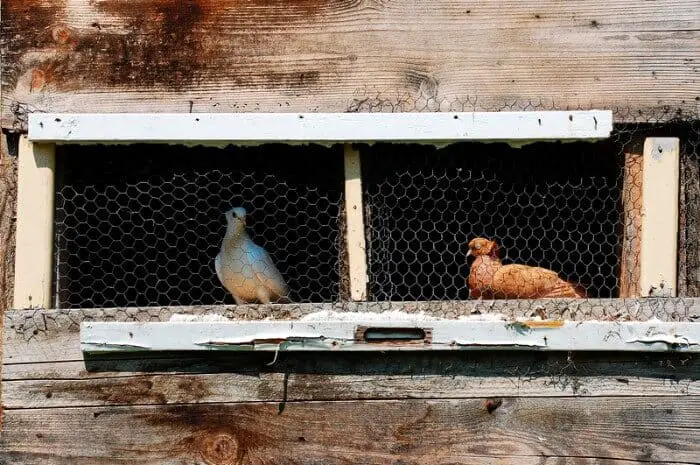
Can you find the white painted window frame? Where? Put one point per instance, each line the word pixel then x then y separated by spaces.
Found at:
pixel 659 227
pixel 35 211
pixel 343 335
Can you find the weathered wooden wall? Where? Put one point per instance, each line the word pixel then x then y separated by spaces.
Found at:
pixel 390 408
pixel 348 55
pixel 638 58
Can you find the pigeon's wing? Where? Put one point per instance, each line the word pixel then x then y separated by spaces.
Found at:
pixel 521 281
pixel 529 282
pixel 266 271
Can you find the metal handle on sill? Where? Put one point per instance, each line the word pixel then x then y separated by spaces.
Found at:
pixel 393 335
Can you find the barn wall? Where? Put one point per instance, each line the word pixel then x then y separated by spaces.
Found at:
pixel 336 408
pixel 347 55
pixel 637 58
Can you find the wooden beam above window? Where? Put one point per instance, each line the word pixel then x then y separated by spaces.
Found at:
pixel 241 128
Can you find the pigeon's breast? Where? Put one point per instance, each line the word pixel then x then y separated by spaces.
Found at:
pixel 236 273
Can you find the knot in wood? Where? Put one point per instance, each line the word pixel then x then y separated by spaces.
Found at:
pixel 220 449
pixel 61 35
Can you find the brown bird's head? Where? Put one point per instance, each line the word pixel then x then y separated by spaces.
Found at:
pixel 482 246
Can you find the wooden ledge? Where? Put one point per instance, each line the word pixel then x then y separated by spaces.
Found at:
pixel 239 128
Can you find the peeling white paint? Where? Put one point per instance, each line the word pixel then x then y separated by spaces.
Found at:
pixel 665 338
pixel 336 334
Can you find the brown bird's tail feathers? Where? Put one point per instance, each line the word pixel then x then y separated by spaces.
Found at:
pixel 566 289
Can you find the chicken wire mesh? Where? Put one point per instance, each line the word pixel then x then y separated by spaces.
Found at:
pixel 548 220
pixel 549 205
pixel 142 225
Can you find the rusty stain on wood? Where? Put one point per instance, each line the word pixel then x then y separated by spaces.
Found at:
pixel 153 43
pixel 156 389
pixel 132 393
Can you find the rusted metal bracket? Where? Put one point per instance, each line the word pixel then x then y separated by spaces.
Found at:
pixel 399 335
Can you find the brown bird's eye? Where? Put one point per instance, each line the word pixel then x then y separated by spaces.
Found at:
pixel 477 246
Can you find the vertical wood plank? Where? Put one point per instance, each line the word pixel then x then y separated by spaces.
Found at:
pixel 355 224
pixel 35 211
pixel 632 225
pixel 659 255
pixel 8 197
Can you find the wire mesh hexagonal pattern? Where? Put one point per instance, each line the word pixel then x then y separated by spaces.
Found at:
pixel 549 205
pixel 141 225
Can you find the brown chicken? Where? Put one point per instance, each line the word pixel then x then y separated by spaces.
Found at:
pixel 490 279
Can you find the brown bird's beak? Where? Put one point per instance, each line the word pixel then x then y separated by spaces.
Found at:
pixel 469 253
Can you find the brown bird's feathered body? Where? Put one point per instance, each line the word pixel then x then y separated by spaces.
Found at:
pixel 491 279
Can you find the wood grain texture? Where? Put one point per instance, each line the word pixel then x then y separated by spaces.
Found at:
pixel 226 387
pixel 382 432
pixel 348 55
pixel 631 226
pixel 406 408
pixel 35 336
pixel 8 209
pixel 500 460
pixel 237 377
